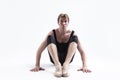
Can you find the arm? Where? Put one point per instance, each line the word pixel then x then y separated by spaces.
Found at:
pixel 83 57
pixel 38 55
pixel 39 52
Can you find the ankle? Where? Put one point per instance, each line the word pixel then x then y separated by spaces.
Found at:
pixel 65 72
pixel 58 67
pixel 58 71
pixel 56 64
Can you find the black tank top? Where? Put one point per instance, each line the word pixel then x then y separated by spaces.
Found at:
pixel 62 47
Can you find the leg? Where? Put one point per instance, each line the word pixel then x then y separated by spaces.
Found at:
pixel 71 51
pixel 53 53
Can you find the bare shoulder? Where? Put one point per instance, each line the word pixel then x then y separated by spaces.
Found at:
pixel 50 33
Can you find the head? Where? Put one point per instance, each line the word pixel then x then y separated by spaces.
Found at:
pixel 63 20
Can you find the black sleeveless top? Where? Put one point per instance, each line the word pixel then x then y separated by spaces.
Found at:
pixel 62 47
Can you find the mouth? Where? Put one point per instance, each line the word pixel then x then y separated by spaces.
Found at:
pixel 64 25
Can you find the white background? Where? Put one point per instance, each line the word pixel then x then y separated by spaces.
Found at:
pixel 25 23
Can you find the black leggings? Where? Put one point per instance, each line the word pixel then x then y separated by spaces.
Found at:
pixel 62 48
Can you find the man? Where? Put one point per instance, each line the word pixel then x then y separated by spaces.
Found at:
pixel 61 44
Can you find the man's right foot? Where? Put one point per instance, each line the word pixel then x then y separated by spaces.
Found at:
pixel 58 71
pixel 65 71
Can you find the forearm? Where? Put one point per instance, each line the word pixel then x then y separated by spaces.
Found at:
pixel 38 56
pixel 82 53
pixel 83 57
pixel 39 52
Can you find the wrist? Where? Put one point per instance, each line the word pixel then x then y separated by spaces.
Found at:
pixel 84 65
pixel 37 65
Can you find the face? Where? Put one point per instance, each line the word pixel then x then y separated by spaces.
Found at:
pixel 63 22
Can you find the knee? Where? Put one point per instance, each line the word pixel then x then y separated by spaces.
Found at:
pixel 51 45
pixel 74 44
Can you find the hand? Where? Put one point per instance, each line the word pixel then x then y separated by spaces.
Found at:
pixel 84 69
pixel 36 69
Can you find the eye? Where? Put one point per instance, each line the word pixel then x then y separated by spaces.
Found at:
pixel 61 20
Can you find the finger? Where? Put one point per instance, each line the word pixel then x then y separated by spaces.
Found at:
pixel 79 69
pixel 89 71
pixel 35 70
pixel 85 70
pixel 82 70
pixel 41 69
pixel 31 70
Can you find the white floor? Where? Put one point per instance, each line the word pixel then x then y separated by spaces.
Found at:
pixel 25 23
pixel 17 68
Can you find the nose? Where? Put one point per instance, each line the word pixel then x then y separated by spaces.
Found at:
pixel 64 23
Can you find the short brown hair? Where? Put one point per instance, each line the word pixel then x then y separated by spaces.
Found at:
pixel 64 16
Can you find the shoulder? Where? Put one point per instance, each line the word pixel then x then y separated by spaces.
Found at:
pixel 50 32
pixel 74 32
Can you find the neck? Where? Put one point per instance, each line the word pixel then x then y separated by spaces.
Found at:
pixel 62 31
